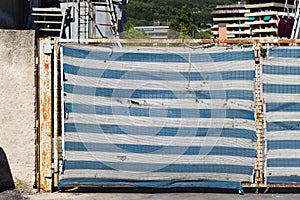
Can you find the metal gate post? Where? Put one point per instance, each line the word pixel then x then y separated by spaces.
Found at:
pixel 259 114
pixel 56 105
pixel 45 116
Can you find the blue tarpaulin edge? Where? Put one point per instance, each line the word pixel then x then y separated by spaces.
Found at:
pixel 151 184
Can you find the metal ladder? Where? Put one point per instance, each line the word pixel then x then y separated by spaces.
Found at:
pixel 113 20
pixel 84 19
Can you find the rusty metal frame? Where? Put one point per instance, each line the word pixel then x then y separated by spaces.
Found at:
pixel 56 109
pixel 48 117
pixel 45 117
pixel 259 116
pixel 271 41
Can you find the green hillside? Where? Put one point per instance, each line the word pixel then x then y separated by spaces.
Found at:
pixel 146 12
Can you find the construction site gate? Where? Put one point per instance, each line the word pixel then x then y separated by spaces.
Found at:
pixel 166 117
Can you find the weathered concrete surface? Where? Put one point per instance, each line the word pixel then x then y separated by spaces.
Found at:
pixel 17 104
pixel 12 195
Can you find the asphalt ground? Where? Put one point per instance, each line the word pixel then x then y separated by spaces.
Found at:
pixel 166 194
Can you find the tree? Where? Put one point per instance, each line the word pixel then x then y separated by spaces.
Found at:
pixel 183 23
pixel 131 33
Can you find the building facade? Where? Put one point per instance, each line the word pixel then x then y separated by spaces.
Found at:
pixel 256 19
pixel 154 32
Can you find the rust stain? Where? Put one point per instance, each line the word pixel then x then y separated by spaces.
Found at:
pixel 180 41
pixel 45 120
pixel 45 108
pixel 46 64
pixel 56 105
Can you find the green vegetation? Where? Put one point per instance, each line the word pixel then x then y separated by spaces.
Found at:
pixel 131 33
pixel 183 23
pixel 187 17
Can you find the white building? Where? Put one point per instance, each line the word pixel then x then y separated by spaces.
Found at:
pixel 252 18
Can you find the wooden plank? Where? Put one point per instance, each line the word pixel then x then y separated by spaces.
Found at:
pixel 47 22
pixel 47 14
pixel 49 29
pixel 46 9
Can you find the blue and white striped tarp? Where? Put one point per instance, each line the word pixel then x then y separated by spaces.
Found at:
pixel 149 117
pixel 281 87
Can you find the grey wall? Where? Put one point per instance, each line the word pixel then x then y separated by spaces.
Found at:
pixel 17 104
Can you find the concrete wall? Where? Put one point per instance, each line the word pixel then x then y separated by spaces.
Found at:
pixel 17 104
